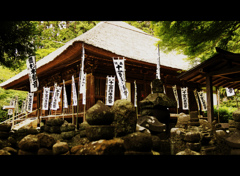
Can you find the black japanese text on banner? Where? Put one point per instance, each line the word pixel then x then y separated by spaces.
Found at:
pixel 65 102
pixel 202 100
pixel 83 83
pixel 30 102
pixel 45 101
pixel 84 90
pixel 119 65
pixel 31 67
pixel 110 81
pixel 74 93
pixel 54 98
pixel 82 79
pixel 59 90
pixel 184 93
pixel 175 94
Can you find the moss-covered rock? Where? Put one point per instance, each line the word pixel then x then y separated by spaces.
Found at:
pixel 5 127
pixel 96 132
pixel 125 118
pixel 99 114
pixel 138 141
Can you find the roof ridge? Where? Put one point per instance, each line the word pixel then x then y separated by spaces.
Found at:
pixel 138 30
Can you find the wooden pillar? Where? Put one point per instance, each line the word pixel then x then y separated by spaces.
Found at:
pixel 209 98
pixel 90 90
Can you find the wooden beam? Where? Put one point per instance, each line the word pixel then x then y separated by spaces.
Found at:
pixel 225 71
pixel 209 98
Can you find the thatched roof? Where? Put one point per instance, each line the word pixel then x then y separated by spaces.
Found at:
pixel 119 38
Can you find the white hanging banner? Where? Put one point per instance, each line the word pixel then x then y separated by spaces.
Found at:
pixel 135 94
pixel 119 66
pixel 175 94
pixel 58 94
pixel 202 98
pixel 110 82
pixel 83 83
pixel 196 98
pixel 65 102
pixel 45 101
pixel 84 90
pixel 30 102
pixel 81 73
pixel 230 92
pixel 74 92
pixel 54 100
pixel 31 67
pixel 184 94
pixel 158 65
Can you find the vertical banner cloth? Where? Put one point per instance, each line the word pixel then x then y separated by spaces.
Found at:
pixel 202 100
pixel 119 66
pixel 184 94
pixel 30 102
pixel 45 101
pixel 74 92
pixel 81 73
pixel 83 83
pixel 175 94
pixel 56 97
pixel 158 65
pixel 31 67
pixel 84 90
pixel 65 102
pixel 230 92
pixel 110 83
pixel 135 94
pixel 196 98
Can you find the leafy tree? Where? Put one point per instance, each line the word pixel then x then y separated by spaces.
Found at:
pixel 143 25
pixel 16 42
pixel 54 34
pixel 198 38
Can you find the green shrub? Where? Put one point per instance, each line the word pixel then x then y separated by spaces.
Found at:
pixel 225 113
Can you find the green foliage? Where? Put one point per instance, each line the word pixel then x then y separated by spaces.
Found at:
pixel 225 113
pixel 5 98
pixel 6 73
pixel 16 42
pixel 198 38
pixel 143 25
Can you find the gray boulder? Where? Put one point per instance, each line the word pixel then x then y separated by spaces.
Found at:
pixel 29 143
pixel 138 141
pixel 60 148
pixel 46 140
pixel 125 118
pixel 99 114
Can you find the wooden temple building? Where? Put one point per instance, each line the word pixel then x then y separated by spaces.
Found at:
pixel 103 42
